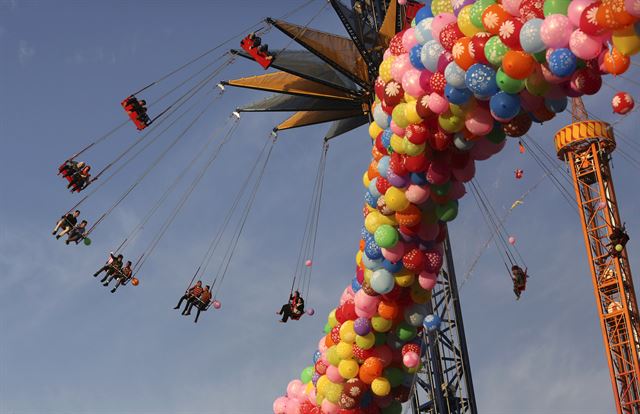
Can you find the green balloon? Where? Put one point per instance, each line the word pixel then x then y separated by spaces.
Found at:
pixel 394 375
pixel 381 338
pixel 450 122
pixel 386 236
pixel 405 332
pixel 306 375
pixel 447 211
pixel 508 84
pixel 555 7
pixel 441 189
pixel 540 57
pixel 536 84
pixel 327 328
pixel 497 134
pixel 476 12
pixel 494 50
pixel 87 241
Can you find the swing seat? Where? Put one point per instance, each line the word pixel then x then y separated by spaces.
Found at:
pixel 260 57
pixel 129 106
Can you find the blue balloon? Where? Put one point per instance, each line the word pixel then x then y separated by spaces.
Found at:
pixel 432 322
pixel 455 75
pixel 481 80
pixel 381 117
pixel 386 138
pixel 371 199
pixel 372 250
pixel 430 54
pixel 457 96
pixel 382 281
pixel 371 264
pixel 316 356
pixel 414 57
pixel 392 267
pixel 365 235
pixel 418 178
pixel 505 105
pixel 562 62
pixel 556 105
pixel 530 39
pixel 422 30
pixel 383 166
pixel 355 286
pixel 423 13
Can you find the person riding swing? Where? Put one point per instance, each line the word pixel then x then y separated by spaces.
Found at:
pixel 618 239
pixel 293 309
pixel 519 278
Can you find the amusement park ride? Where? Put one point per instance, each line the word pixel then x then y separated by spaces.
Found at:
pixel 331 80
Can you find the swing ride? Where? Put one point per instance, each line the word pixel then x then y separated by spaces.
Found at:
pixel 441 87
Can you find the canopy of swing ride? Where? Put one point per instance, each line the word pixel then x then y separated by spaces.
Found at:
pixel 441 86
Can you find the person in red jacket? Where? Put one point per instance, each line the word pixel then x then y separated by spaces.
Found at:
pixel 201 303
pixel 190 295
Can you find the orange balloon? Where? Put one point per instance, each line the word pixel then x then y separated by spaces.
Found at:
pixel 409 217
pixel 493 17
pixel 461 53
pixel 388 310
pixel 362 245
pixel 376 154
pixel 328 341
pixel 612 15
pixel 372 366
pixel 372 172
pixel 615 62
pixel 517 64
pixel 135 281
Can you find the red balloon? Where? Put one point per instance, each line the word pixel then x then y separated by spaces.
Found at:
pixel 437 83
pixel 393 93
pixel 388 109
pixel 440 140
pixel 531 9
pixel 588 20
pixel 459 159
pixel 349 311
pixel 417 133
pixel 410 347
pixel 335 332
pixel 510 33
pixel 478 41
pixel 380 146
pixel 442 233
pixel 382 185
pixel 378 86
pixel 422 108
pixel 395 45
pixel 586 80
pixel 622 103
pixel 433 261
pixel 396 164
pixel 417 163
pixel 413 260
pixel 449 35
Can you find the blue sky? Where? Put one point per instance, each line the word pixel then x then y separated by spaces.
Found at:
pixel 69 346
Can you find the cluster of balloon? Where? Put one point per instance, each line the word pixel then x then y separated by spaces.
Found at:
pixel 622 103
pixel 450 89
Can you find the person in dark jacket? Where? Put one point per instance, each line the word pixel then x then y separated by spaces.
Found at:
pixel 189 295
pixel 519 278
pixel 113 265
pixel 201 303
pixel 293 309
pixel 66 223
pixel 122 276
pixel 618 237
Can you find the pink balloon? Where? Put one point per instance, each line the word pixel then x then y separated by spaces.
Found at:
pixel 386 54
pixel 308 263
pixel 444 60
pixel 365 302
pixel 467 173
pixel 457 190
pixel 293 406
pixel 280 405
pixel 632 7
pixel 334 375
pixel 479 121
pixel 364 313
pixel 322 346
pixel 292 388
pixel 439 22
pixel 427 280
pixel 409 39
pixel 425 77
pixel 584 46
pixel 438 104
pixel 411 83
pixel 556 30
pixel 417 194
pixel 512 240
pixel 329 408
pixel 311 311
pixel 411 359
pixel 401 64
pixel 439 172
pixel 576 7
pixel 512 7
pixel 216 304
pixel 396 129
pixel 395 253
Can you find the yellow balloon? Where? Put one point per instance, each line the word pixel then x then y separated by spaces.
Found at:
pixel 344 350
pixel 308 388
pixel 464 22
pixel 409 98
pixel 458 110
pixel 333 392
pixel 367 275
pixel 365 179
pixel 404 278
pixel 385 69
pixel 322 384
pixel 411 113
pixel 450 122
pixel 626 41
pixel 319 399
pixel 398 115
pixel 381 386
pixel 374 130
pixel 332 355
pixel 347 333
pixel 348 368
pixel 418 294
pixel 331 319
pixel 373 221
pixel 380 324
pixel 397 144
pixel 441 6
pixel 395 199
pixel 367 341
pixel 359 258
pixel 412 149
pixel 413 370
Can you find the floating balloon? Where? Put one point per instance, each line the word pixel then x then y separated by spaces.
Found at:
pixel 622 103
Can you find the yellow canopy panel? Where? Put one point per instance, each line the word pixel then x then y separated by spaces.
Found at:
pixel 305 118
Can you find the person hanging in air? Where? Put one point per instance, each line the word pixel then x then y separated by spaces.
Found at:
pixel 66 223
pixel 201 303
pixel 190 295
pixel 77 233
pixel 113 264
pixel 138 110
pixel 80 179
pixel 70 167
pixel 256 43
pixel 617 241
pixel 122 275
pixel 519 278
pixel 293 309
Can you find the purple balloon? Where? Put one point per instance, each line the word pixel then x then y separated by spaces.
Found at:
pixel 396 180
pixel 458 5
pixel 362 326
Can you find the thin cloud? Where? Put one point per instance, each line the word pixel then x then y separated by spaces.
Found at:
pixel 25 52
pixel 96 55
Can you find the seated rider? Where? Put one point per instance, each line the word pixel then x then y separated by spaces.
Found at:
pixel 114 263
pixel 190 294
pixel 70 167
pixel 122 275
pixel 201 303
pixel 293 309
pixel 77 233
pixel 264 49
pixel 66 223
pixel 519 278
pixel 617 237
pixel 80 179
pixel 256 41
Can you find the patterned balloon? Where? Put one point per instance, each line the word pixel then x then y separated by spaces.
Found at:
pixel 530 39
pixel 518 126
pixel 481 80
pixel 562 62
pixel 477 47
pixel 454 75
pixel 449 35
pixel 622 103
pixel 531 9
pixel 510 32
pixel 494 50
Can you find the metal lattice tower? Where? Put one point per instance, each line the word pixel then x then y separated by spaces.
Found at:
pixel 586 146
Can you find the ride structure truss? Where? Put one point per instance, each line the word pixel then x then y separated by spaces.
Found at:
pixel 586 146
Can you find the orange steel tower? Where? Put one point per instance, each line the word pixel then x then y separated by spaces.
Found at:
pixel 586 146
